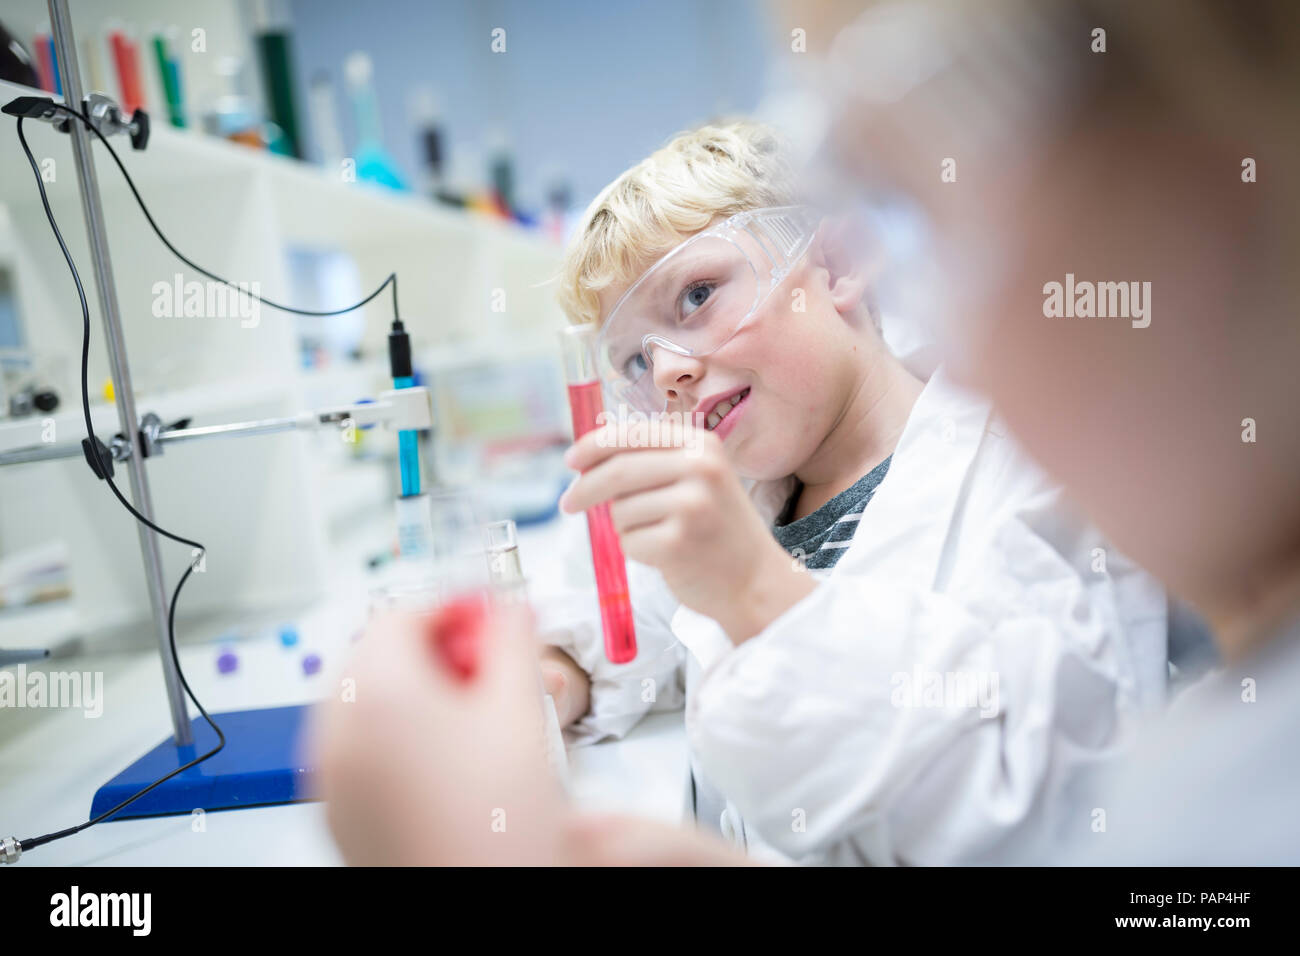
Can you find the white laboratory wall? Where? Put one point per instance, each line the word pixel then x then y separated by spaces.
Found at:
pixel 269 508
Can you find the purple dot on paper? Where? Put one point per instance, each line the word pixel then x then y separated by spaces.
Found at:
pixel 311 664
pixel 227 662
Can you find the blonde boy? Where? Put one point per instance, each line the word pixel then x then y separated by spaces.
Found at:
pixel 894 640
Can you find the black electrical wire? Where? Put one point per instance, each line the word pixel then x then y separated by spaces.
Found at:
pixel 391 280
pixel 32 842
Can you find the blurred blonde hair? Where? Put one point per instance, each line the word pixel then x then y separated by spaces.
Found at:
pixel 702 175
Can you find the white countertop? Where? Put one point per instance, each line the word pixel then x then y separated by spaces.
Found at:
pixel 51 772
pixel 53 761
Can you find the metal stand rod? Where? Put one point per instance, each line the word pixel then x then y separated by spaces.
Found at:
pixel 21 456
pixel 265 426
pixel 156 435
pixel 66 51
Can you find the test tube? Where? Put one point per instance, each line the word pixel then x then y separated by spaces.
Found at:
pixel 586 404
pixel 504 567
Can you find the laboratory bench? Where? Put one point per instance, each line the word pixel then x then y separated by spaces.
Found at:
pixel 53 760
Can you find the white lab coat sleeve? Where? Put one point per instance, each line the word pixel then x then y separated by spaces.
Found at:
pixel 828 732
pixel 621 694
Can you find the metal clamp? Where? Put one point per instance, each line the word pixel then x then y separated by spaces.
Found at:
pixel 106 116
pixel 151 426
pixel 102 112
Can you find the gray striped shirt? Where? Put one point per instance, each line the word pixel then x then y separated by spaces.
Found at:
pixel 821 537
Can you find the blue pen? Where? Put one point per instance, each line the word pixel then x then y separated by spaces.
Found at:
pixel 399 363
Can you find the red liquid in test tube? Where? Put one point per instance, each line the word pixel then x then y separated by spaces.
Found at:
pixel 611 569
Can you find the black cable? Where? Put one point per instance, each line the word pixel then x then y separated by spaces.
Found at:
pixel 33 842
pixel 391 280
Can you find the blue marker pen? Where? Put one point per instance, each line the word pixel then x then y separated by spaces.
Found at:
pixel 399 362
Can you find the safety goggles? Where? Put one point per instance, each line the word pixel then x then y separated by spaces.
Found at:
pixel 698 296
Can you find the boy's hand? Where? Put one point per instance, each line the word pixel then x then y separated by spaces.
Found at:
pixel 567 683
pixel 679 507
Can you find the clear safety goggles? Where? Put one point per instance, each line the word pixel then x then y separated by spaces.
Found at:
pixel 698 296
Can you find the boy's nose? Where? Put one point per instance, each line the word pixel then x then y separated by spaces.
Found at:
pixel 674 374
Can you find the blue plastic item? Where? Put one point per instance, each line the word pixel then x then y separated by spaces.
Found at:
pixel 261 764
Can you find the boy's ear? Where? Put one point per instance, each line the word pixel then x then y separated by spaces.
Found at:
pixel 845 248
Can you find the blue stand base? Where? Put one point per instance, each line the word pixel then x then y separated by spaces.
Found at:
pixel 259 765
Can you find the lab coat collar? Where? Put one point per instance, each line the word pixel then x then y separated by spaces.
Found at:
pixel 919 495
pixel 911 517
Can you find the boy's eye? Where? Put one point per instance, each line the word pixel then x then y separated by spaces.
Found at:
pixel 635 366
pixel 695 296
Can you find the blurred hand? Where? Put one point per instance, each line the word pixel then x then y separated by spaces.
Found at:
pixel 609 840
pixel 433 753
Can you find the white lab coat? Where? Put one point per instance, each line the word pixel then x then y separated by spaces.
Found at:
pixel 967 560
pixel 1215 782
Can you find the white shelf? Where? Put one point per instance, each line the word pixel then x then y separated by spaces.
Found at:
pixel 267 505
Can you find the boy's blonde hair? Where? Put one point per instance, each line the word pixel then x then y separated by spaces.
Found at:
pixel 709 173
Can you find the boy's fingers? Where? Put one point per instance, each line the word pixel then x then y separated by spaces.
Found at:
pixel 652 543
pixel 600 443
pixel 583 448
pixel 633 512
pixel 593 448
pixel 621 476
